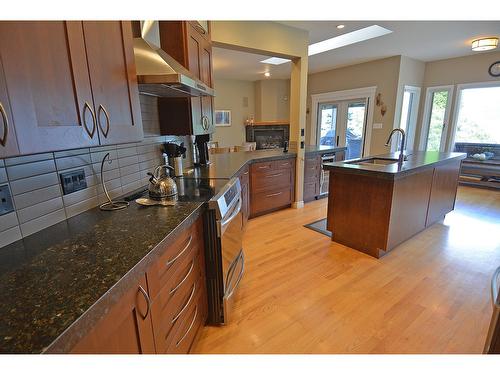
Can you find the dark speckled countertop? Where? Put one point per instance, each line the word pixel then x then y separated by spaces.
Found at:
pixel 49 279
pixel 416 162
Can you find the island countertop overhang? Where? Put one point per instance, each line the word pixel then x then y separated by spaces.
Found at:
pixel 416 162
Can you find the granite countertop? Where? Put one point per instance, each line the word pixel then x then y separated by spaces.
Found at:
pixel 416 161
pixel 51 278
pixel 230 164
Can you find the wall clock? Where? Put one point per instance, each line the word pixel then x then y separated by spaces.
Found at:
pixel 494 69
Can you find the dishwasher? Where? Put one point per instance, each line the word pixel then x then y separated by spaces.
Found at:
pixel 492 345
pixel 225 260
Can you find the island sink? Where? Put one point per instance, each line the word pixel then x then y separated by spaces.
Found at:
pixel 373 161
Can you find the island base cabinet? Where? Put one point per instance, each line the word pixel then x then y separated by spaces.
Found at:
pixel 125 329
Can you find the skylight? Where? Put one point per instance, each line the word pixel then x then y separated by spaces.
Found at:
pixel 275 61
pixel 357 36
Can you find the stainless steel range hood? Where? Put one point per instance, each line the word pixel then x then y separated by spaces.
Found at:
pixel 158 74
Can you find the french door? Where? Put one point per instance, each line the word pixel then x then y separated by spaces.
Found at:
pixel 343 124
pixel 409 113
pixel 436 118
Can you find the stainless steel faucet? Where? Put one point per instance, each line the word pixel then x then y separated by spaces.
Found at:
pixel 402 156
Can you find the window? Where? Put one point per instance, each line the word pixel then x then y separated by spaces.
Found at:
pixel 478 118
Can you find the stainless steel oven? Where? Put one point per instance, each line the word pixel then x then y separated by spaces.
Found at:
pixel 492 345
pixel 325 175
pixel 225 257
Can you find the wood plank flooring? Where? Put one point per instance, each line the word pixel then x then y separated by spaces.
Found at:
pixel 303 293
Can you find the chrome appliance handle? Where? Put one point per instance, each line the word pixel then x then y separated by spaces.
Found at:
pixel 233 215
pixel 3 140
pixel 148 301
pixel 90 133
pixel 184 279
pixel 189 329
pixel 240 276
pixel 186 305
pixel 169 262
pixel 101 107
pixel 494 288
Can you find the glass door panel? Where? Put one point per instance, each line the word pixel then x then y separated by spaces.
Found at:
pixel 355 126
pixel 328 124
pixel 437 120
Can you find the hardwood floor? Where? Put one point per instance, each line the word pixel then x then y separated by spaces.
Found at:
pixel 304 294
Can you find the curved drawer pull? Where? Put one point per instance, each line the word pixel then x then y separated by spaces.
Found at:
pixel 274 195
pixel 3 140
pixel 184 279
pixel 169 262
pixel 263 167
pixel 146 297
pixel 101 108
pixel 189 329
pixel 274 175
pixel 494 288
pixel 186 305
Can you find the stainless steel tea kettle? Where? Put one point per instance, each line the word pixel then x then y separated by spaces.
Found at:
pixel 162 188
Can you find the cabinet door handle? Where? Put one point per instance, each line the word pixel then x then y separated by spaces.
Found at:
pixel 205 122
pixel 148 301
pixel 3 140
pixel 106 114
pixel 184 279
pixel 189 329
pixel 186 305
pixel 273 195
pixel 169 262
pixel 90 133
pixel 274 175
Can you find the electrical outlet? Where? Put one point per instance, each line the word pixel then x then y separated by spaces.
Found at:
pixel 73 181
pixel 6 205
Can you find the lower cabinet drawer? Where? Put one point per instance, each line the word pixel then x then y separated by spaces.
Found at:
pixel 172 303
pixel 270 200
pixel 271 180
pixel 184 331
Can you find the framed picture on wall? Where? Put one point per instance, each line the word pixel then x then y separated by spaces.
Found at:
pixel 222 117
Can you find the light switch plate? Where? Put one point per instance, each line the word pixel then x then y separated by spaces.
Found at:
pixel 6 204
pixel 377 125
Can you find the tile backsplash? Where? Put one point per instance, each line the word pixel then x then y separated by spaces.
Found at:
pixel 37 193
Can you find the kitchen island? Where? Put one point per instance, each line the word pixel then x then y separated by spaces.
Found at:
pixel 377 203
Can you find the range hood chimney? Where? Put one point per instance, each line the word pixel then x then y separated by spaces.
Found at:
pixel 158 74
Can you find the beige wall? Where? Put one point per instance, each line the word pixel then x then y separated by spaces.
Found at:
pixel 466 69
pixel 272 100
pixel 238 97
pixel 382 73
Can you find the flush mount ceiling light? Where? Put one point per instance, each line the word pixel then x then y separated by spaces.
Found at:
pixel 267 74
pixel 356 36
pixel 484 44
pixel 275 61
pixel 340 26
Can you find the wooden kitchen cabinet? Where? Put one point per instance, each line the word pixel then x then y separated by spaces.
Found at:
pixel 245 193
pixel 190 45
pixel 125 329
pixel 312 177
pixel 271 186
pixel 110 56
pixel 69 82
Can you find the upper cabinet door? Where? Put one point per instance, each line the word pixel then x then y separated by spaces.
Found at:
pixel 8 141
pixel 114 82
pixel 47 79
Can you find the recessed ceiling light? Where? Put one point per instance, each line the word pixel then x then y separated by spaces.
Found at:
pixel 484 44
pixel 267 74
pixel 340 26
pixel 348 38
pixel 275 61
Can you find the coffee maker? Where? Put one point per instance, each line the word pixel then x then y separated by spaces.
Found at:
pixel 201 152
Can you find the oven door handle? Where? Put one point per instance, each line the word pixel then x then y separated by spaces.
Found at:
pixel 494 288
pixel 240 276
pixel 233 215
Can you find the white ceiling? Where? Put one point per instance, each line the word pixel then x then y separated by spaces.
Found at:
pixel 422 40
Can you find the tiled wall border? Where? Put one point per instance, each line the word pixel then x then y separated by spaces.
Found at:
pixel 37 193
